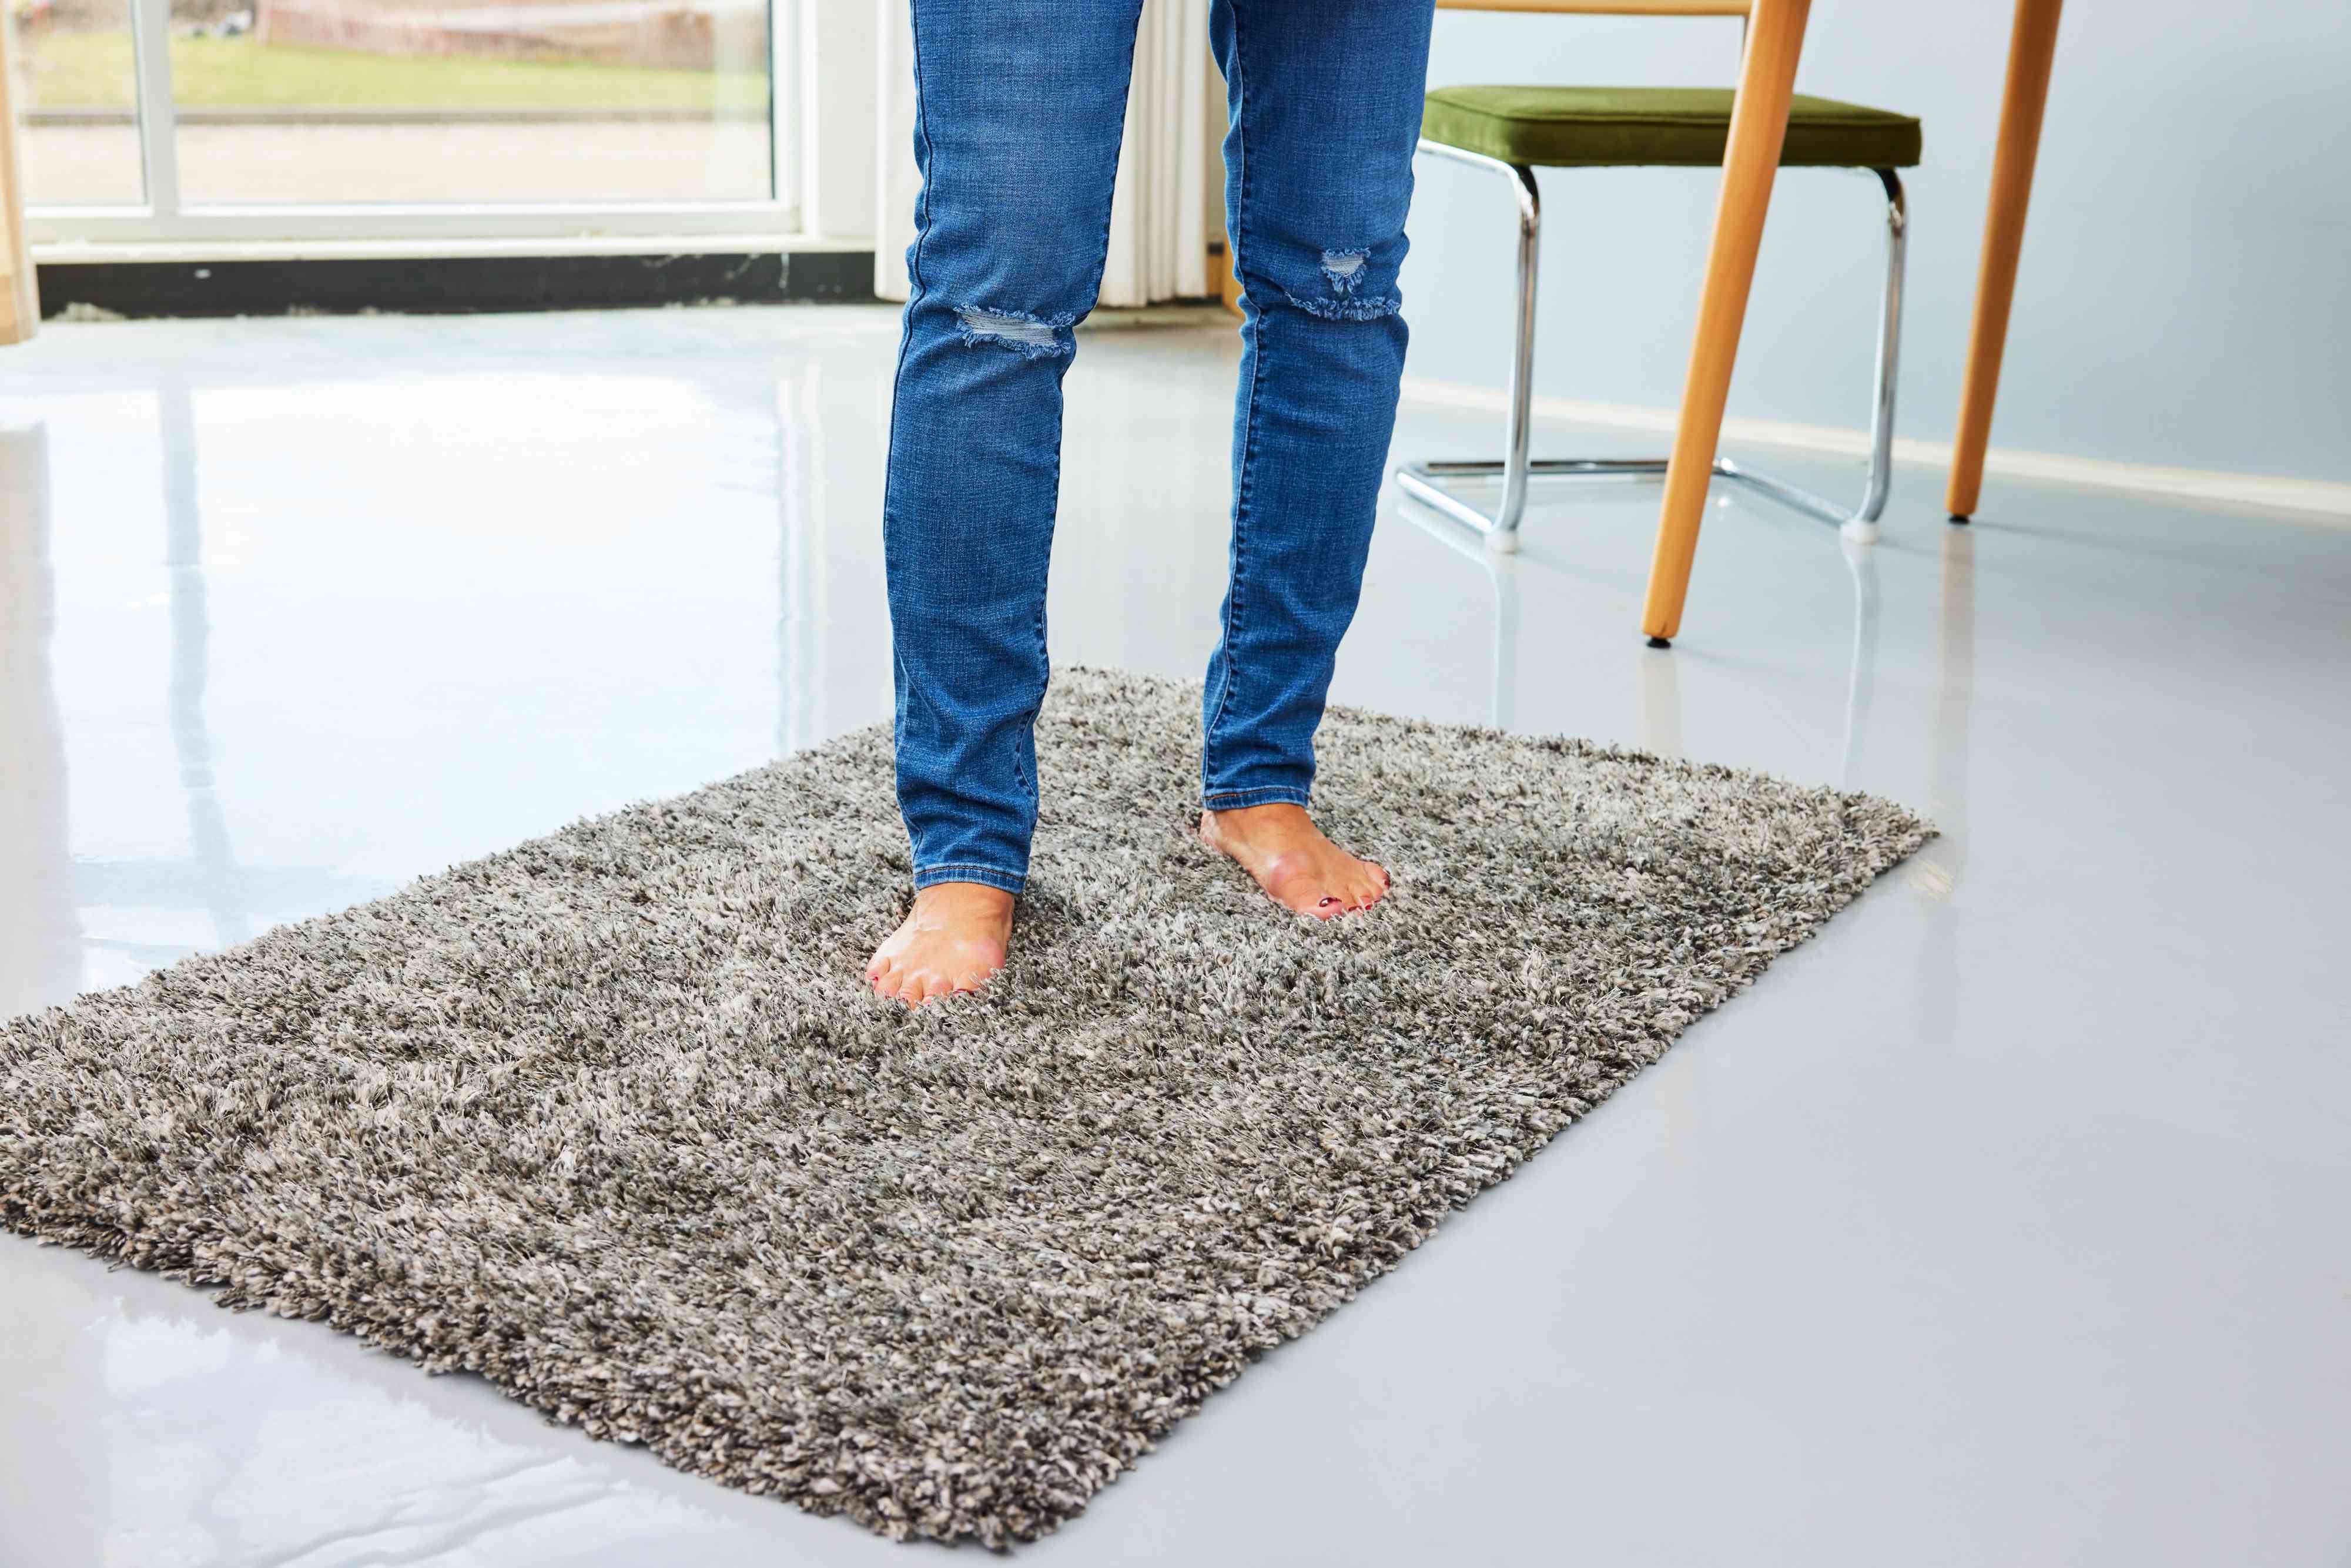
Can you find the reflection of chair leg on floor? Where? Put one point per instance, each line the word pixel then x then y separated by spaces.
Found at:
pixel 1429 481
pixel 1502 577
pixel 1660 682
pixel 1661 704
pixel 1661 688
pixel 1861 683
pixel 1939 866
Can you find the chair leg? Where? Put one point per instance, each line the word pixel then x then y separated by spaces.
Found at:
pixel 1505 534
pixel 1863 523
pixel 1422 480
pixel 1860 525
pixel 2032 44
pixel 20 305
pixel 1759 126
pixel 1425 480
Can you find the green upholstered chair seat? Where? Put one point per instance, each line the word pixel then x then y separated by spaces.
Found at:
pixel 1645 127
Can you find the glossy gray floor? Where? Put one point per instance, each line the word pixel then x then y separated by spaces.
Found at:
pixel 2005 1223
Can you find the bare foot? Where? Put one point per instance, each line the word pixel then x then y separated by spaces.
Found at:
pixel 1298 867
pixel 953 938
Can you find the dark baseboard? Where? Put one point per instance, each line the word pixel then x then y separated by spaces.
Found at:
pixel 452 285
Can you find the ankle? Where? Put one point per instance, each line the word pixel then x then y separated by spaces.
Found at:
pixel 1273 816
pixel 963 901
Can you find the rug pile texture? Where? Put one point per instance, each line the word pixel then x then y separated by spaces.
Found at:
pixel 611 1119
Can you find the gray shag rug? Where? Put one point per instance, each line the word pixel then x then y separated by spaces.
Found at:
pixel 612 1120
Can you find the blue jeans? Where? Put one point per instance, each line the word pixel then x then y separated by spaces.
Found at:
pixel 1022 104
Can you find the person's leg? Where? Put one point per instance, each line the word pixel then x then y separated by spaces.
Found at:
pixel 1324 98
pixel 1022 104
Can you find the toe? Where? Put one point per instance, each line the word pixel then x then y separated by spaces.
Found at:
pixel 1299 895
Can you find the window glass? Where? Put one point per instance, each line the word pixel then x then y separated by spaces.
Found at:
pixel 471 100
pixel 79 139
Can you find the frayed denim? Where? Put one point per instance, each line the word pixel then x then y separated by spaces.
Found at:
pixel 1020 108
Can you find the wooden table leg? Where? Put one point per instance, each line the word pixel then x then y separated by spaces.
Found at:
pixel 20 307
pixel 2031 44
pixel 1758 124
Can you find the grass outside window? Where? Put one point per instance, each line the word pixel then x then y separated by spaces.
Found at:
pixel 94 70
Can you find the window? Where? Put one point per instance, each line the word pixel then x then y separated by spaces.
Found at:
pixel 80 91
pixel 303 120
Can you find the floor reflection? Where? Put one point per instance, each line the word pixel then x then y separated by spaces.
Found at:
pixel 1936 874
pixel 207 881
pixel 40 939
pixel 211 865
pixel 143 1433
pixel 136 890
pixel 800 557
pixel 1658 678
pixel 203 1415
pixel 1501 576
pixel 1861 559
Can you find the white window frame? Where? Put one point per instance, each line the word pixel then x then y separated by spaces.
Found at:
pixel 821 194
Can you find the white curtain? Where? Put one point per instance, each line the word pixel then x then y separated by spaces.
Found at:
pixel 1161 213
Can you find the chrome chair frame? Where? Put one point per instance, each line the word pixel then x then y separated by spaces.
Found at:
pixel 1426 481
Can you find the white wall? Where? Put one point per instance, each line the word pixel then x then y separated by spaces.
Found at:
pixel 2186 292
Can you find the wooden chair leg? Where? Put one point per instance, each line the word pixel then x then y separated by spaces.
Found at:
pixel 2031 44
pixel 1758 124
pixel 20 308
